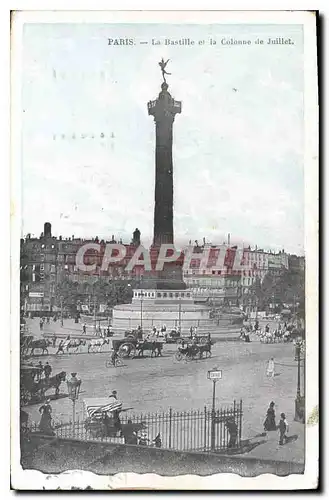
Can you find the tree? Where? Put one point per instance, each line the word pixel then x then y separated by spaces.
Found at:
pixel 67 291
pixel 286 288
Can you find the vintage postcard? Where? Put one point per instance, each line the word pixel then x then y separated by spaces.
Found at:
pixel 164 250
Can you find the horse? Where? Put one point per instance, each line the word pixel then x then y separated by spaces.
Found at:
pixel 39 344
pixel 97 343
pixel 268 338
pixel 25 344
pixel 278 335
pixel 190 351
pixel 154 346
pixel 74 344
pixel 205 348
pixel 47 383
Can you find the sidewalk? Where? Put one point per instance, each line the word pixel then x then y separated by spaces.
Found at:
pixel 269 448
pixel 75 331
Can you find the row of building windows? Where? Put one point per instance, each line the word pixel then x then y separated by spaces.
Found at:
pixel 160 295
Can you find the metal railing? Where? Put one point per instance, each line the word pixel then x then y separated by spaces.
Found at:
pixel 182 431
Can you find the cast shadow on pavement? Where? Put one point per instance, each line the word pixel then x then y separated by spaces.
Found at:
pixel 291 439
pixel 246 446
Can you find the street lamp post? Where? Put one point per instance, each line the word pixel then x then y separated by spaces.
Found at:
pixel 62 311
pixel 95 321
pixel 73 387
pixel 213 375
pixel 180 314
pixel 300 399
pixel 142 295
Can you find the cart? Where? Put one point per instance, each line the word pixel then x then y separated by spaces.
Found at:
pixel 103 418
pixel 28 387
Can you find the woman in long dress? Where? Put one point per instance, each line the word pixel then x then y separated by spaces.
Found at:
pixel 45 422
pixel 269 423
pixel 270 371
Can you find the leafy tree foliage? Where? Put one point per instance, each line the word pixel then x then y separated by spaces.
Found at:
pixel 286 288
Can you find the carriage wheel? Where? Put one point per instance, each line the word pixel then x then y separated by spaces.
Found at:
pixel 208 354
pixel 127 351
pixel 132 351
pixel 108 363
pixel 178 356
pixel 26 396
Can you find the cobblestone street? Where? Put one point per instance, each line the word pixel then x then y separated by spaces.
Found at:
pixel 155 384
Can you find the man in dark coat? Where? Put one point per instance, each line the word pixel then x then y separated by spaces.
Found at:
pixel 129 433
pixel 283 429
pixel 233 432
pixel 39 371
pixel 47 369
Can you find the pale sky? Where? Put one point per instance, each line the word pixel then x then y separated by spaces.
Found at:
pixel 238 144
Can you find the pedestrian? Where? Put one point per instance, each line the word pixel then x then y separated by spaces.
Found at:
pixel 143 439
pixel 60 347
pixel 270 368
pixel 269 422
pixel 191 331
pixel 114 357
pixel 267 328
pixel 157 441
pixel 47 369
pixel 41 324
pixel 283 429
pixel 39 371
pixel 233 432
pixel 48 319
pixel 84 328
pixel 54 340
pixel 113 395
pixel 129 433
pixel 45 422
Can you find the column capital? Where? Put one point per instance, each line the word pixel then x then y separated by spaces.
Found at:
pixel 164 106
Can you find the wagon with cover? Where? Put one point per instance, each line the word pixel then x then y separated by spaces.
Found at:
pixel 103 418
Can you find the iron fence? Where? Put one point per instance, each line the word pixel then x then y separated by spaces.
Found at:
pixel 195 430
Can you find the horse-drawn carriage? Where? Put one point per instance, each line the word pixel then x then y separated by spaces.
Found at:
pixel 133 344
pixel 32 390
pixel 29 342
pixel 103 418
pixel 126 347
pixel 173 337
pixel 196 348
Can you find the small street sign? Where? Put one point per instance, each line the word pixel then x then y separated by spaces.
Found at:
pixel 36 294
pixel 214 374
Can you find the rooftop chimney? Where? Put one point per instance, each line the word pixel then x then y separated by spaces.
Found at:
pixel 47 230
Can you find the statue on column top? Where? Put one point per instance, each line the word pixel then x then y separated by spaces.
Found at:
pixel 163 65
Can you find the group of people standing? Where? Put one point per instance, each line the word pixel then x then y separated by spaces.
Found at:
pixel 270 424
pixel 42 369
pixel 103 333
pixel 43 321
